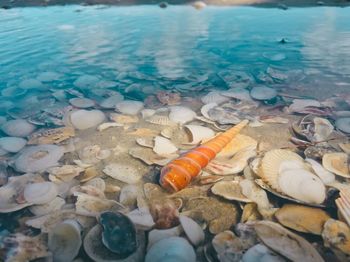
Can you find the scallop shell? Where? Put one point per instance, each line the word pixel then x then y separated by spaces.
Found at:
pixel 270 165
pixel 198 133
pixel 192 230
pixel 147 156
pixel 84 119
pixel 337 163
pixel 123 172
pixel 171 249
pixel 156 235
pixel 343 204
pixel 263 93
pixel 205 109
pixel 163 146
pixel 81 102
pixel 285 242
pixel 64 241
pixel 40 193
pixel 44 209
pixel 302 218
pixel 160 120
pixel 145 113
pixel 129 107
pixel 230 190
pixel 98 252
pixel 214 97
pixel 181 114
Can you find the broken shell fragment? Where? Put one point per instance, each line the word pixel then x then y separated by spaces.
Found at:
pixel 163 146
pixel 123 172
pixel 198 133
pixel 230 190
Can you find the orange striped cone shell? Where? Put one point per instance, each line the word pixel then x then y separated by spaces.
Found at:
pixel 177 174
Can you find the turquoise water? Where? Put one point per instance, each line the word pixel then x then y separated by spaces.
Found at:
pixel 141 48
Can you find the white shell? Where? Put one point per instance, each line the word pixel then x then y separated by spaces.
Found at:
pixel 107 125
pixel 260 253
pixel 44 209
pixel 84 119
pixel 238 93
pixel 192 230
pixel 323 129
pixel 181 114
pixel 40 193
pixel 198 133
pixel 129 107
pixel 171 249
pixel 12 144
pixel 65 241
pixel 17 128
pixel 214 97
pixel 263 93
pixel 159 120
pixel 302 185
pixel 141 218
pixel 38 158
pixel 163 146
pixel 230 190
pixel 156 235
pixel 343 124
pixel 97 182
pixel 112 101
pixel 81 102
pixel 123 172
pixel 205 109
pixel 326 176
pixel 300 104
pixel 128 195
pixel 145 113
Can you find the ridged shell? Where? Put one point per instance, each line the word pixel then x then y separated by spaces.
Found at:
pixel 40 193
pixel 81 102
pixel 343 204
pixel 230 190
pixel 181 114
pixel 214 97
pixel 205 109
pixel 160 120
pixel 65 241
pixel 270 165
pixel 337 163
pixel 171 249
pixel 286 243
pixel 163 146
pixel 260 253
pixel 198 133
pixel 44 209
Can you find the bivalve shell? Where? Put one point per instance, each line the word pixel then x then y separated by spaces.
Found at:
pixel 40 193
pixel 192 230
pixel 263 93
pixel 337 163
pixel 129 107
pixel 343 124
pixel 198 133
pixel 123 172
pixel 230 190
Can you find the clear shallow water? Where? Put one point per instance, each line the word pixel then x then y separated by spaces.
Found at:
pixel 144 47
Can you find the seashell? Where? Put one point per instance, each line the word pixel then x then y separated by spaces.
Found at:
pixel 128 195
pixel 337 163
pixel 48 76
pixel 192 230
pixel 163 146
pixel 145 113
pixel 165 213
pixel 302 185
pixel 230 190
pixel 129 107
pixel 12 144
pixel 93 154
pixel 147 156
pixel 96 182
pixel 64 241
pixel 81 102
pixel 87 205
pixel 168 98
pixel 181 114
pixel 17 128
pixel 44 209
pixel 343 204
pixel 270 165
pixel 263 93
pixel 38 158
pixel 323 129
pixel 142 219
pixel 302 218
pixel 237 93
pixel 336 235
pixel 206 108
pixel 51 136
pixel 260 253
pixel 273 119
pixel 238 143
pixel 214 97
pixel 144 132
pixel 13 92
pixel 89 173
pixel 107 125
pixel 89 190
pixel 20 248
pixel 285 242
pixel 123 172
pixel 97 251
pixel 171 249
pixel 160 120
pixel 84 119
pixel 112 188
pixel 179 172
pixel 40 193
pixel 86 81
pixel 156 235
pixel 13 190
pixel 228 246
pixel 343 124
pixel 146 142
pixel 250 213
pixel 326 176
pixel 300 104
pixel 345 147
pixel 198 133
pixel 199 5
pixel 234 165
pixel 65 173
pixel 123 119
pixel 112 101
pixel 119 233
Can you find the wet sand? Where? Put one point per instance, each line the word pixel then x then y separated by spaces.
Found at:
pixel 284 4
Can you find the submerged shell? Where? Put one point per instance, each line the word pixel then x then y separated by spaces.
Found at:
pixel 159 120
pixel 119 233
pixel 44 209
pixel 263 93
pixel 302 218
pixel 337 163
pixel 84 119
pixel 17 128
pixel 40 193
pixel 343 124
pixel 112 101
pixel 129 107
pixel 336 235
pixel 260 253
pixel 64 241
pixel 181 114
pixel 171 249
pixel 12 144
pixel 156 235
pixel 51 136
pixel 326 176
pixel 81 102
pixel 192 230
pixel 163 146
pixel 214 97
pixel 198 133
pixel 230 190
pixel 323 129
pixel 285 242
pixel 93 154
pixel 123 172
pixel 38 158
pixel 238 143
